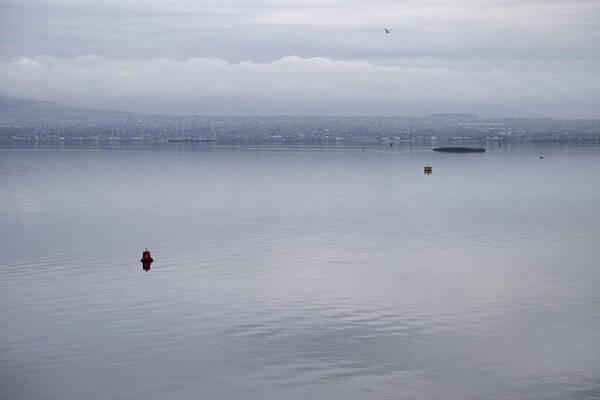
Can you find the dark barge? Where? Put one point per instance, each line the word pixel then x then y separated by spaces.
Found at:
pixel 460 149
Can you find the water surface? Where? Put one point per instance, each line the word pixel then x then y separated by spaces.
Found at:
pixel 301 272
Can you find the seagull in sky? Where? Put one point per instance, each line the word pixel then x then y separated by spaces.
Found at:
pixel 386 30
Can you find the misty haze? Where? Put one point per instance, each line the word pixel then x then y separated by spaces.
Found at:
pixel 240 199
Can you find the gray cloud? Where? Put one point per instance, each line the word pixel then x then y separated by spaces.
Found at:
pixel 288 85
pixel 531 53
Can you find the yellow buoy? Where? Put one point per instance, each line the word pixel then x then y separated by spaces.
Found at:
pixel 428 169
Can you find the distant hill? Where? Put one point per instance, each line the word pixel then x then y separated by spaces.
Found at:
pixel 17 109
pixel 454 116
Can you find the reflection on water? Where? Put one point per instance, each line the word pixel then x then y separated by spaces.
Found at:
pixel 146 265
pixel 300 272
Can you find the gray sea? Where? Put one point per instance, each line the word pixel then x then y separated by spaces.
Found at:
pixel 299 272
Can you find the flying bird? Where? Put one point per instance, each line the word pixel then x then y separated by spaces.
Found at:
pixel 386 30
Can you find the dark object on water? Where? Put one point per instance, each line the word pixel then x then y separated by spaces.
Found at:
pixel 146 257
pixel 192 140
pixel 460 149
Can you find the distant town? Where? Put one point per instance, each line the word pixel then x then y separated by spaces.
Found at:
pixel 34 121
pixel 440 127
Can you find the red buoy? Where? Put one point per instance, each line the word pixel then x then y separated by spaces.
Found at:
pixel 146 257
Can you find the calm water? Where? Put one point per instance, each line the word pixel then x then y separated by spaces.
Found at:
pixel 299 273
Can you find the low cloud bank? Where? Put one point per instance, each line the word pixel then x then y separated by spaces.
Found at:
pixel 292 85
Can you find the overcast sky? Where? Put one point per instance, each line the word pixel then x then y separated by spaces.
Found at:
pixel 305 57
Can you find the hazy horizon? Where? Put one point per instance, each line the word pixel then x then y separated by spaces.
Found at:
pixel 289 57
pixel 404 111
